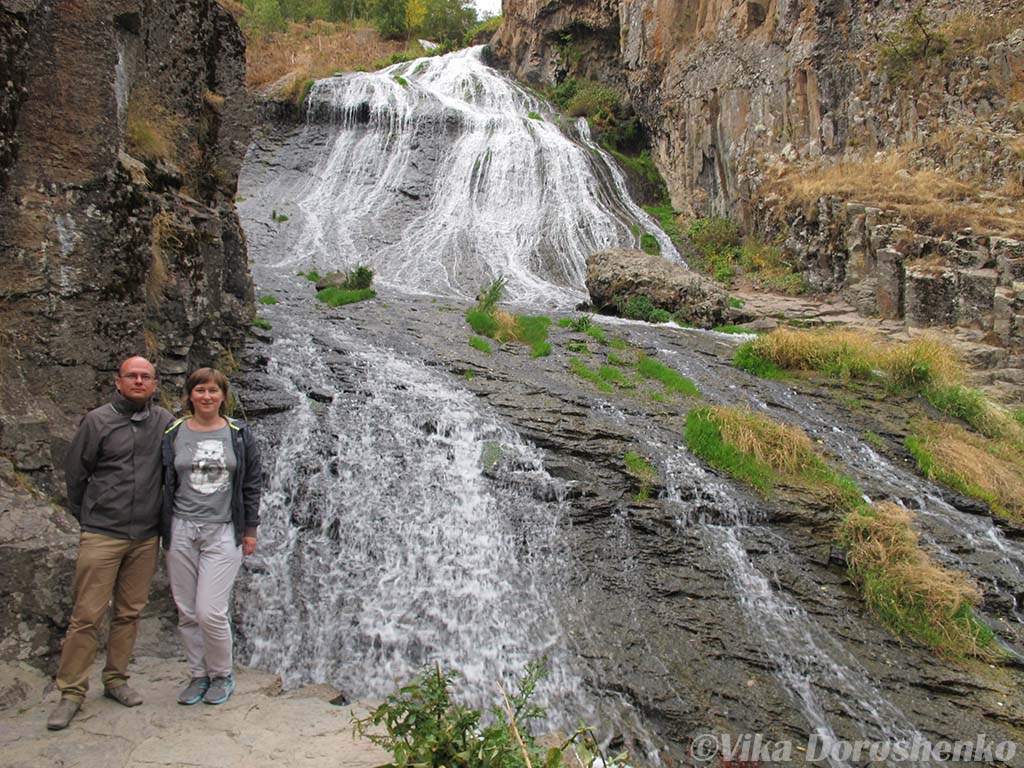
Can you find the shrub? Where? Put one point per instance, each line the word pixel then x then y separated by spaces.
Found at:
pixel 337 297
pixel 641 308
pixel 423 726
pixel 672 380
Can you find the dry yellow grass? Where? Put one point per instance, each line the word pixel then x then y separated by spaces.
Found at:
pixel 508 326
pixel 932 199
pixel 314 50
pixel 906 588
pixel 992 470
pixel 927 356
pixel 783 448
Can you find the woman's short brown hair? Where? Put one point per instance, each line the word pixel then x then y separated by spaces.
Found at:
pixel 204 376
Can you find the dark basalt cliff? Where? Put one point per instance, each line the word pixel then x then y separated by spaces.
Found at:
pixel 122 129
pixel 123 125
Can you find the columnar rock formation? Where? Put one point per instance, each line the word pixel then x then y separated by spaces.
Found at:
pixel 737 92
pixel 122 129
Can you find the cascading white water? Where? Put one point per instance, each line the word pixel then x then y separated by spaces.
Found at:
pixel 401 527
pixel 442 173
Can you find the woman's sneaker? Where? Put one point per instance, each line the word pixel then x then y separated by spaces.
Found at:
pixel 195 691
pixel 220 690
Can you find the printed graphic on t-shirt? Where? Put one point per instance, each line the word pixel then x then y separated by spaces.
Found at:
pixel 209 469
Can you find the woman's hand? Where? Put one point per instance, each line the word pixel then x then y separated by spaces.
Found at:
pixel 248 545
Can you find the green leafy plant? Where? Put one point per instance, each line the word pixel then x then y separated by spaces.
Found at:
pixel 535 116
pixel 580 323
pixel 641 308
pixel 489 297
pixel 278 217
pixel 423 726
pixel 401 81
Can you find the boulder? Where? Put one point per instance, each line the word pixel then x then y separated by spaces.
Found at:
pixel 621 274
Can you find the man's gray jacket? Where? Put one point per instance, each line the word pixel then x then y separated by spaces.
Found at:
pixel 113 469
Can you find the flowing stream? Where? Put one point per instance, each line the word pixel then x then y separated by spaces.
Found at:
pixel 409 521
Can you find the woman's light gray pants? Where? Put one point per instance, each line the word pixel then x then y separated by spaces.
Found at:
pixel 202 564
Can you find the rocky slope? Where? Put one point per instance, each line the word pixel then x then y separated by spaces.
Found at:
pixel 122 129
pixel 745 98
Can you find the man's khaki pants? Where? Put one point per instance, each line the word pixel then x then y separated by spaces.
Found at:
pixel 107 567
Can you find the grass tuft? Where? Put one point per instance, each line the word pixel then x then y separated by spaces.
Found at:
pixel 672 380
pixel 337 297
pixel 579 368
pixel 644 472
pixel 992 471
pixel 906 589
pixel 480 344
pixel 267 299
pixel 265 325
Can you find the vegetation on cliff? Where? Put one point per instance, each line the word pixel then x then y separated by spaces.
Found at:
pixel 987 464
pixel 910 592
pixel 423 725
pixel 303 40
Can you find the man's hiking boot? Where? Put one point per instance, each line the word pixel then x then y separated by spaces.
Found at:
pixel 123 694
pixel 60 717
pixel 220 690
pixel 196 690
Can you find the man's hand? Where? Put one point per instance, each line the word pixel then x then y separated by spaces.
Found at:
pixel 248 545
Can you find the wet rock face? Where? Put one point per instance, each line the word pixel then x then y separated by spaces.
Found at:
pixel 619 274
pixel 122 130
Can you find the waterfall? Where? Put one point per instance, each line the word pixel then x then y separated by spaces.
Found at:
pixel 408 521
pixel 442 174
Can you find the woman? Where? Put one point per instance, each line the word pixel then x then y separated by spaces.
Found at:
pixel 210 511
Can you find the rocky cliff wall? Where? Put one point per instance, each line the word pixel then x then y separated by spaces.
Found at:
pixel 122 128
pixel 123 124
pixel 736 93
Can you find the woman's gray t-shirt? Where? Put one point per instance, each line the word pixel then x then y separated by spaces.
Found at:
pixel 206 465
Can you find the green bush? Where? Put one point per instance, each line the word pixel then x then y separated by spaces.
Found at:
pixel 422 726
pixel 641 308
pixel 482 322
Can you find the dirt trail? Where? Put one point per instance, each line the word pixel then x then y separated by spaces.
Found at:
pixel 259 726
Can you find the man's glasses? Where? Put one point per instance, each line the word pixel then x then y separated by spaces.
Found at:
pixel 138 377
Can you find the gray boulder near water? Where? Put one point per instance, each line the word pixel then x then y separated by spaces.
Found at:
pixel 619 274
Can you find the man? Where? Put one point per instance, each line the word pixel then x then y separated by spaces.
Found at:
pixel 113 472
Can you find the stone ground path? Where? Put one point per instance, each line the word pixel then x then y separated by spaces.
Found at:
pixel 259 727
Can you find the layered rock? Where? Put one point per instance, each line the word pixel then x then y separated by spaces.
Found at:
pixel 122 129
pixel 735 93
pixel 619 274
